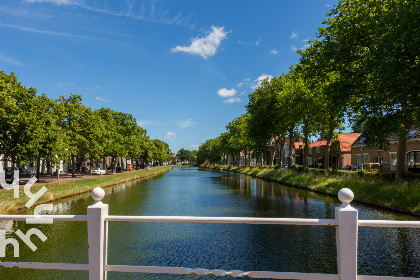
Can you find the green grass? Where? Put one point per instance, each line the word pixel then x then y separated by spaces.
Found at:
pixel 372 189
pixel 56 191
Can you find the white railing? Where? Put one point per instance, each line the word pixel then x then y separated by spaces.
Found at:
pixel 346 222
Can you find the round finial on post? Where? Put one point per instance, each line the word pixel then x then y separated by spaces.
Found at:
pixel 345 195
pixel 97 194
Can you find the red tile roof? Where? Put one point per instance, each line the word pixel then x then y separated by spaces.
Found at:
pixel 319 143
pixel 297 144
pixel 346 140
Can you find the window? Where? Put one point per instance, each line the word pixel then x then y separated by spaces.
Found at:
pixel 318 149
pixel 393 160
pixel 413 161
pixel 310 161
pixel 366 158
pixel 310 151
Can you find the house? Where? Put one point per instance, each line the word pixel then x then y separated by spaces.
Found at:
pixel 275 152
pixel 316 154
pixel 340 153
pixel 387 157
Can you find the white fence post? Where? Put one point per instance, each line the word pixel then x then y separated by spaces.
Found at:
pixel 347 235
pixel 96 214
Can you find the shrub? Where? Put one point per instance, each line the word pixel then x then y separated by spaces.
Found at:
pixel 297 168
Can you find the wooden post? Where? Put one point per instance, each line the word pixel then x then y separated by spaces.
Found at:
pixel 97 235
pixel 347 235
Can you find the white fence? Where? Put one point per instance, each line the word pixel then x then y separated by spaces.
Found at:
pixel 346 222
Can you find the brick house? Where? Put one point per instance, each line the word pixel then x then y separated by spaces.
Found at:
pixel 388 157
pixel 316 154
pixel 340 154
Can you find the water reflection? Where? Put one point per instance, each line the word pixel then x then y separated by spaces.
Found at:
pixel 191 192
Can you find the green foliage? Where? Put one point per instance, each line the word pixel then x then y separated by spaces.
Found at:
pixel 34 126
pixel 185 155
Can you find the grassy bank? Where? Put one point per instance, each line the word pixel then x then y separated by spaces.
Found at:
pixel 57 191
pixel 374 190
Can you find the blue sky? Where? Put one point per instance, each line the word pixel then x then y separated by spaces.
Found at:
pixel 183 69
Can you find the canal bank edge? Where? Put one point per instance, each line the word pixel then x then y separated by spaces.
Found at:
pixel 57 191
pixel 402 197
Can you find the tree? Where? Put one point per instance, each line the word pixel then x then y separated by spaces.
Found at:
pixel 303 107
pixel 15 104
pixel 266 118
pixel 330 90
pixel 376 50
pixel 238 136
pixel 72 115
pixel 162 153
pixel 48 139
pixel 185 155
pixel 210 151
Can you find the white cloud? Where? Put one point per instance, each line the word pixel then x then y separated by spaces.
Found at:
pixel 304 47
pixel 144 123
pixel 56 2
pixel 194 146
pixel 9 60
pixel 294 35
pixel 102 99
pixel 232 100
pixel 257 43
pixel 186 123
pixel 244 82
pixel 260 79
pixel 170 135
pixel 306 44
pixel 224 92
pixel 274 51
pixel 149 12
pixel 206 46
pixel 49 32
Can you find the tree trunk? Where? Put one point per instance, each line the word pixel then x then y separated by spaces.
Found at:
pixel 38 166
pixel 305 147
pixel 114 170
pixel 281 147
pixel 291 146
pixel 91 167
pixel 73 166
pixel 401 154
pixel 328 146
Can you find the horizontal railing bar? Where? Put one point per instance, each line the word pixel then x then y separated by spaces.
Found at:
pixel 372 277
pixel 36 265
pixel 223 220
pixel 64 218
pixel 388 223
pixel 220 272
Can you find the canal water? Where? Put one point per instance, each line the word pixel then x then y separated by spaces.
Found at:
pixel 194 192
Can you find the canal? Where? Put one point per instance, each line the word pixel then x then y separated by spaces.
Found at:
pixel 194 192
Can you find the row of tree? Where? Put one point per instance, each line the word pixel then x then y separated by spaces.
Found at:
pixel 363 66
pixel 35 127
pixel 186 155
